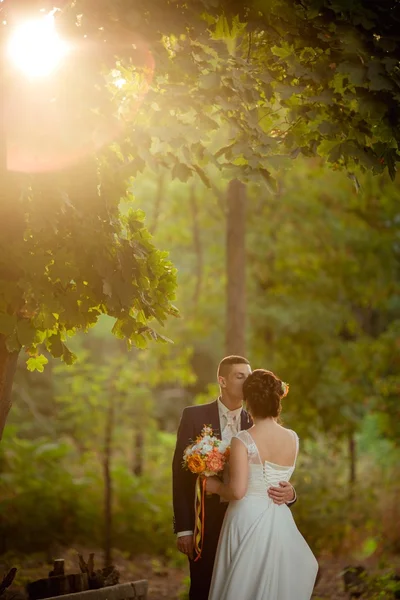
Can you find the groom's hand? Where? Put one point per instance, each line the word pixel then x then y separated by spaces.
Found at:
pixel 185 545
pixel 282 494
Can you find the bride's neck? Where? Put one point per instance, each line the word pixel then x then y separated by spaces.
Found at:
pixel 267 421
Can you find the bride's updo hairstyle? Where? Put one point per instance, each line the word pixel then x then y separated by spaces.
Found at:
pixel 263 392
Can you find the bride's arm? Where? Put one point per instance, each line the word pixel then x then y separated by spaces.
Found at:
pixel 238 471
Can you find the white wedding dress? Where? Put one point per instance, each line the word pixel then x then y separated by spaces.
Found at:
pixel 261 554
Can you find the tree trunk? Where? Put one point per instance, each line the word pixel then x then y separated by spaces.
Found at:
pixel 108 481
pixel 138 453
pixel 8 365
pixel 157 207
pixel 198 248
pixel 236 269
pixel 352 461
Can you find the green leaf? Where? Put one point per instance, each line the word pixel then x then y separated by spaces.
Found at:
pixel 182 172
pixel 161 338
pixel 210 80
pixel 283 51
pixel 224 150
pixel 328 128
pixel 36 363
pixel 356 72
pixel 56 346
pixel 25 332
pixel 378 77
pixel 202 176
pixel 287 91
pixel 139 340
pixel 335 154
pixel 68 357
pixel 269 180
pixel 107 288
pixel 368 548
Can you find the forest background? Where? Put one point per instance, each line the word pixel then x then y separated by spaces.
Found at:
pixel 85 457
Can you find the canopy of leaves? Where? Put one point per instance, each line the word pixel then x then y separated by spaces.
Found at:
pixel 236 85
pixel 67 256
pixel 199 87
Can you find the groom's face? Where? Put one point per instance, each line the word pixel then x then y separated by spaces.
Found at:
pixel 233 381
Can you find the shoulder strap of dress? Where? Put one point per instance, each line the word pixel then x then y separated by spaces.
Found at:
pixel 244 437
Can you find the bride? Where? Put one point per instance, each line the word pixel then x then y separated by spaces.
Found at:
pixel 261 554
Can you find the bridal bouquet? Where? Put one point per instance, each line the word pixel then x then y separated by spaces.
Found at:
pixel 205 457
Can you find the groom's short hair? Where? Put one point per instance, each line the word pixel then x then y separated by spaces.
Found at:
pixel 226 363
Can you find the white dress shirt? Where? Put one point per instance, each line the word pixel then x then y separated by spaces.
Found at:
pixel 229 421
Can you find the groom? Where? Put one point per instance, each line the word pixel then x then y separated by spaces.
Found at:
pixel 227 417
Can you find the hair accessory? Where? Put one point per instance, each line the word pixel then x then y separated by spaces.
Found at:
pixel 284 389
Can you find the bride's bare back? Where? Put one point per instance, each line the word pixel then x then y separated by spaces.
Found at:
pixel 275 443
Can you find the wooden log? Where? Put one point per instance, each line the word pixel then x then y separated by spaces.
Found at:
pixel 78 582
pixel 134 590
pixel 51 586
pixel 90 564
pixel 87 567
pixel 8 578
pixel 58 568
pixel 57 585
pixel 82 564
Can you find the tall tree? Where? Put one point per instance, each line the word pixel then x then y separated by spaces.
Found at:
pixel 236 269
pixel 228 86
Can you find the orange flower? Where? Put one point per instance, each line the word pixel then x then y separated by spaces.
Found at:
pixel 227 453
pixel 215 461
pixel 196 464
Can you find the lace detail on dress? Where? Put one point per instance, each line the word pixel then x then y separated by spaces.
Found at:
pixel 252 449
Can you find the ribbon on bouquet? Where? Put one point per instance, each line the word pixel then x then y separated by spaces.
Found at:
pixel 199 514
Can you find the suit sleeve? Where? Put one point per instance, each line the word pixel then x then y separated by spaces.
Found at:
pixel 294 500
pixel 183 481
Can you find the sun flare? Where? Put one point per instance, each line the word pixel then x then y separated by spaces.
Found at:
pixel 35 48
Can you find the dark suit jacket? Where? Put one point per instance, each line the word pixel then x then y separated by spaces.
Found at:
pixel 183 482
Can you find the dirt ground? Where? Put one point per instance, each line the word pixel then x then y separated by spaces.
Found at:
pixel 166 582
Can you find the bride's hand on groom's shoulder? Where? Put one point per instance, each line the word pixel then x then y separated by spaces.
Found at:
pixel 213 485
